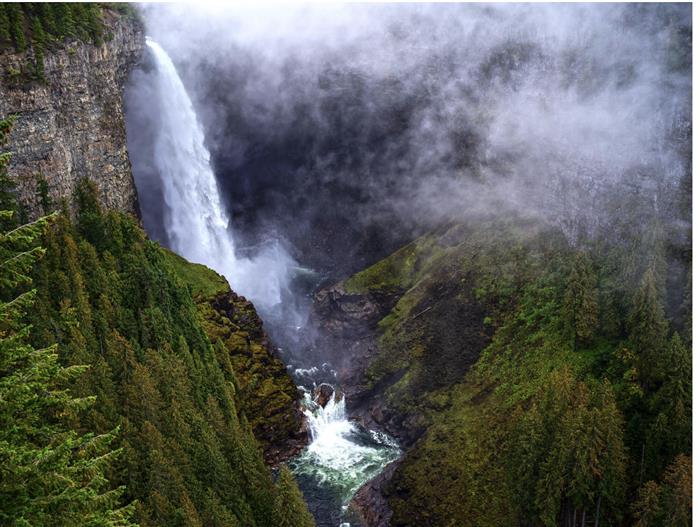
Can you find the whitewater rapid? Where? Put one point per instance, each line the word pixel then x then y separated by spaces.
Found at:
pixel 342 455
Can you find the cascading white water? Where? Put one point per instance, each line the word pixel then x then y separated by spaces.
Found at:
pixel 341 455
pixel 196 222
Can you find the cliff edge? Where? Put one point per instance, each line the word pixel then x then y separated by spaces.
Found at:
pixel 71 124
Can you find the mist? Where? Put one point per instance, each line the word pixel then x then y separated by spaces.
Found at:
pixel 340 132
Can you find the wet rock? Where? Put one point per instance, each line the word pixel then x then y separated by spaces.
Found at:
pixel 370 504
pixel 350 315
pixel 323 394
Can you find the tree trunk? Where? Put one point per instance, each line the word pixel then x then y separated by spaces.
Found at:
pixel 583 518
pixel 597 511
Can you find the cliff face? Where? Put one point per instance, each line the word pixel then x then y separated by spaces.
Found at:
pixel 72 125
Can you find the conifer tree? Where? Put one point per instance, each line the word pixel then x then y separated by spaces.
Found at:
pixel 49 475
pixel 581 301
pixel 8 199
pixel 16 18
pixel 648 329
pixel 290 502
pixel 667 503
pixel 38 45
pixel 4 24
pixel 670 431
pixel 65 24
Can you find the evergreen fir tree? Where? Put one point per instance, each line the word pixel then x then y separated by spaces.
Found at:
pixel 8 199
pixel 670 431
pixel 38 45
pixel 581 301
pixel 290 503
pixel 16 18
pixel 48 474
pixel 668 503
pixel 648 329
pixel 65 24
pixel 5 35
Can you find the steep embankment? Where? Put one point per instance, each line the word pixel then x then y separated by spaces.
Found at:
pixel 71 122
pixel 527 377
pixel 265 391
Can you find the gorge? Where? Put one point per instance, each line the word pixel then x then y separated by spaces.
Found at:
pixel 348 265
pixel 341 455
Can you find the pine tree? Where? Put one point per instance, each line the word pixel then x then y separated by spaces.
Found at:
pixel 578 458
pixel 8 199
pixel 49 475
pixel 94 23
pixel 5 35
pixel 648 329
pixel 581 301
pixel 290 503
pixel 38 45
pixel 65 24
pixel 687 310
pixel 16 18
pixel 670 431
pixel 669 503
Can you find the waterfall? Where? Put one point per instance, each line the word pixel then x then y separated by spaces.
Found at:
pixel 342 454
pixel 195 220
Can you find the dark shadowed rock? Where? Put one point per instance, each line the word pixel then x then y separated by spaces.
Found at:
pixel 349 315
pixel 323 394
pixel 370 504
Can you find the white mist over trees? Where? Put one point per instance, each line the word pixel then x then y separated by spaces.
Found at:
pixel 349 129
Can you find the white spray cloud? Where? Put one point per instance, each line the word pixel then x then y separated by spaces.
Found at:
pixel 429 112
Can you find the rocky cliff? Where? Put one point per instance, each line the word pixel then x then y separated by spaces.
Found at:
pixel 72 125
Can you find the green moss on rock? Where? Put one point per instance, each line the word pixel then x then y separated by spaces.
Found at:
pixel 265 391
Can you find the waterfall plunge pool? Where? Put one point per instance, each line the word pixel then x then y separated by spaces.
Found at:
pixel 341 457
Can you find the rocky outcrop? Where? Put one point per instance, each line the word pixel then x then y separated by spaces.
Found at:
pixel 370 503
pixel 72 125
pixel 266 392
pixel 350 315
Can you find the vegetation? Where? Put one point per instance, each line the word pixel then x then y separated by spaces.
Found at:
pixel 157 430
pixel 544 381
pixel 111 298
pixel 291 502
pixel 50 24
pixel 50 474
pixel 264 389
pixel 41 27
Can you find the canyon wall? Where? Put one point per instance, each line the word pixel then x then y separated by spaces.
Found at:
pixel 71 125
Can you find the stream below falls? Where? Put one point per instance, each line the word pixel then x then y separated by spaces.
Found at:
pixel 341 457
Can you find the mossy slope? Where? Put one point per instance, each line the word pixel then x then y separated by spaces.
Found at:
pixel 519 421
pixel 266 392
